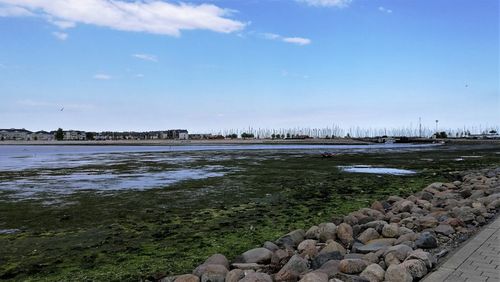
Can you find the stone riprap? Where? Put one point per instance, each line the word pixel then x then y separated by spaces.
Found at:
pixel 399 239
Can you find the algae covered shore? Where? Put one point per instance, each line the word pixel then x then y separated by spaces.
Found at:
pixel 246 198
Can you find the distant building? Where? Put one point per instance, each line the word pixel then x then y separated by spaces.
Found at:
pixel 15 134
pixel 181 134
pixel 43 136
pixel 74 135
pixel 200 136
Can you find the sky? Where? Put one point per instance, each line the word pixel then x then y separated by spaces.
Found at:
pixel 212 65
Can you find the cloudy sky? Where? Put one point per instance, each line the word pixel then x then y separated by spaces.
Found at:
pixel 207 65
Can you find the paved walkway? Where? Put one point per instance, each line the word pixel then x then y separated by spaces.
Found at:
pixel 477 260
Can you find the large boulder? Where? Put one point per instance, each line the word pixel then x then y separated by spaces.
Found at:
pixel 292 269
pixel 427 222
pixel 214 273
pixel 444 229
pixel 428 258
pixel 321 259
pixel 333 246
pixel 415 267
pixel 368 234
pixel 399 251
pixel 352 266
pixel 345 234
pixel 313 233
pixel 235 275
pixel 327 231
pixel 257 255
pixel 397 273
pixel 375 245
pixel 426 240
pixel 390 230
pixel 308 247
pixel 292 239
pixel 373 273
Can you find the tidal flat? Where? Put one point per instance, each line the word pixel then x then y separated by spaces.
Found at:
pixel 95 214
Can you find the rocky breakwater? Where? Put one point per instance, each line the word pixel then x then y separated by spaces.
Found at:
pixel 399 239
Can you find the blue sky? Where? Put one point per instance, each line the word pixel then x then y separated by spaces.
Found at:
pixel 209 65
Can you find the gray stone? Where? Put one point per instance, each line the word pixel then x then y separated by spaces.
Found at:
pixel 376 244
pixel 397 273
pixel 235 275
pixel 321 259
pixel 444 229
pixel 352 266
pixel 292 269
pixel 327 231
pixel 257 277
pixel 390 230
pixel 292 239
pixel 373 273
pixel 218 259
pixel 349 278
pixel 400 251
pixel 308 247
pixel 257 255
pixel 368 234
pixel 248 266
pixel 330 268
pixel 270 246
pixel 427 222
pixel 333 246
pixel 426 241
pixel 313 233
pixel 214 273
pixel 315 277
pixel 428 258
pixel 345 234
pixel 415 267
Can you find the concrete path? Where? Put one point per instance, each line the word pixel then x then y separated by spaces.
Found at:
pixel 477 260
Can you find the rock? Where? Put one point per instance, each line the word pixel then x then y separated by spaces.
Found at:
pixel 257 255
pixel 280 257
pixel 218 259
pixel 349 278
pixel 257 277
pixel 292 239
pixel 375 245
pixel 333 246
pixel 400 251
pixel 378 206
pixel 403 230
pixel 187 278
pixel 494 205
pixel 308 247
pixel 444 229
pixel 352 266
pixel 390 230
pixel 211 268
pixel 373 273
pixel 235 275
pixel 344 233
pixel 321 259
pixel 248 266
pixel 397 273
pixel 371 257
pixel 368 234
pixel 426 257
pixel 406 237
pixel 327 231
pixel 292 269
pixel 403 206
pixel 214 273
pixel 427 222
pixel 330 268
pixel 391 259
pixel 350 219
pixel 270 246
pixel 313 233
pixel 315 277
pixel 415 267
pixel 376 224
pixel 426 241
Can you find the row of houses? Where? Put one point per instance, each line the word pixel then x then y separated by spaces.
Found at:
pixel 78 135
pixel 26 135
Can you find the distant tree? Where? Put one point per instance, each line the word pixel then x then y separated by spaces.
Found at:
pixel 35 138
pixel 493 132
pixel 288 136
pixel 59 134
pixel 2 138
pixel 278 136
pixel 89 136
pixel 245 135
pixel 273 136
pixel 441 134
pixel 348 135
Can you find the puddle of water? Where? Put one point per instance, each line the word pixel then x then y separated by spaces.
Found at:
pixel 376 170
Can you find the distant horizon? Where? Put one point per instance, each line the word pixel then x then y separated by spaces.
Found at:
pixel 210 64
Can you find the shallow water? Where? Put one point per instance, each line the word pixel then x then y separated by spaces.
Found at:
pixel 376 170
pixel 31 172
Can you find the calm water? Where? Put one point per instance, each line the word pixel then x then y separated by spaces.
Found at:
pixel 28 172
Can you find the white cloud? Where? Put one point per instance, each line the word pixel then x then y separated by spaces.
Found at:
pixel 294 40
pixel 327 3
pixel 14 11
pixel 384 10
pixel 297 40
pixel 60 35
pixel 150 16
pixel 146 57
pixel 102 76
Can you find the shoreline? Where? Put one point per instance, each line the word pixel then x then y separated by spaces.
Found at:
pixel 397 239
pixel 165 142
